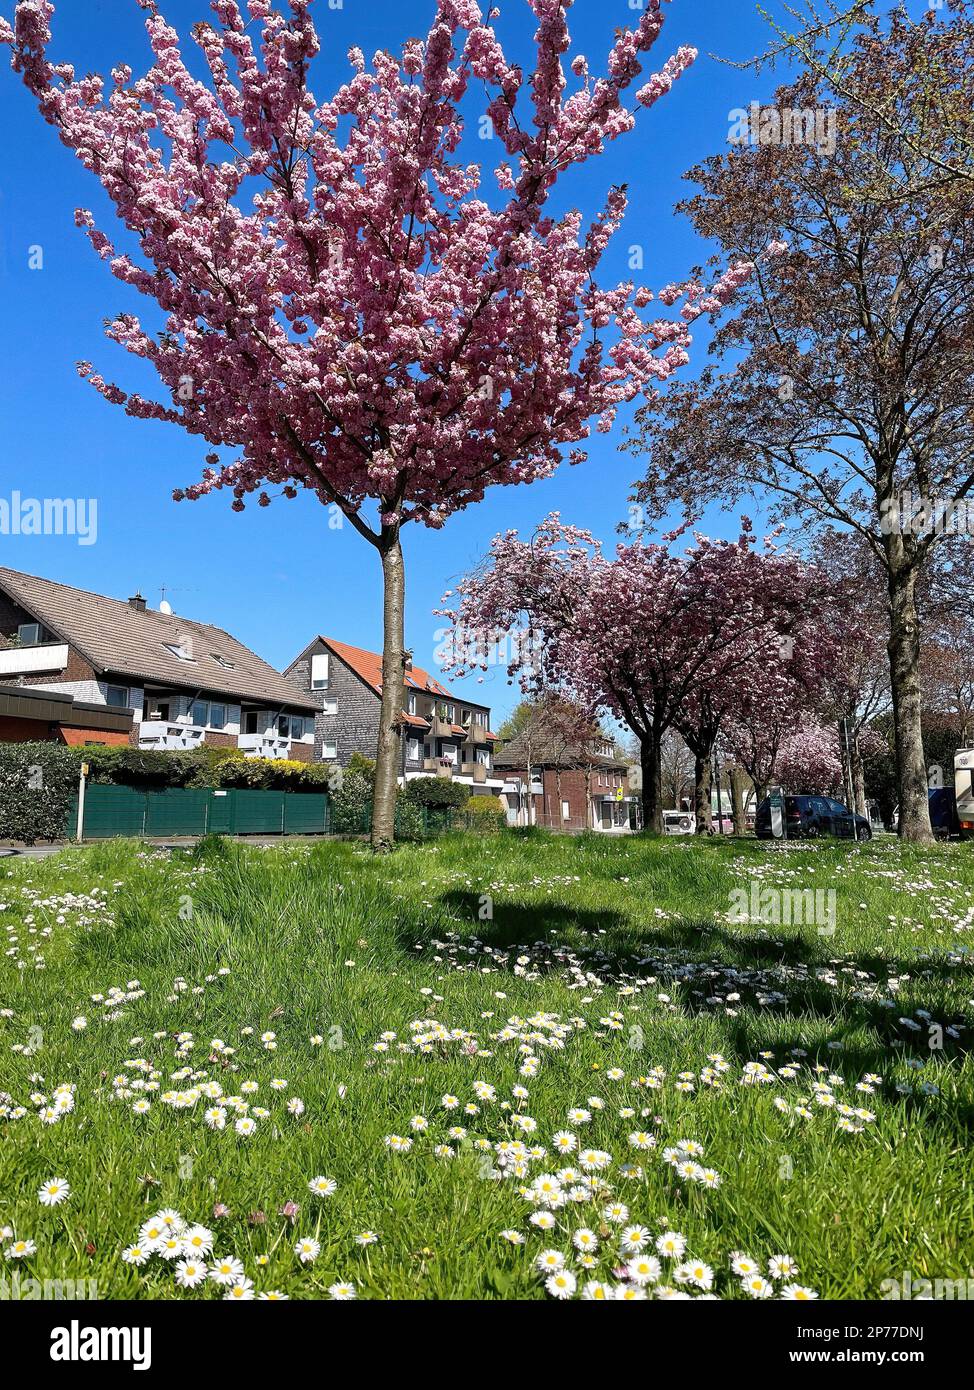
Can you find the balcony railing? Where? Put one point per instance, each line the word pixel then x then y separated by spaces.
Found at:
pixel 441 728
pixel 439 768
pixel 22 661
pixel 169 734
pixel 477 771
pixel 476 733
pixel 267 745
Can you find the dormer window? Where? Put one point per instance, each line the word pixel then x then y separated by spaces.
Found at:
pixel 33 635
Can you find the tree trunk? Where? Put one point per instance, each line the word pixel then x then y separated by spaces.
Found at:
pixel 859 780
pixel 388 753
pixel 702 790
pixel 651 767
pixel 904 660
pixel 736 776
pixel 845 758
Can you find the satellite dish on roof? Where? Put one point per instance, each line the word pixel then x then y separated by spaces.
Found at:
pixel 165 606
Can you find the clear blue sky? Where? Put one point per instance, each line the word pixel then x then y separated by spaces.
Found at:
pixel 276 576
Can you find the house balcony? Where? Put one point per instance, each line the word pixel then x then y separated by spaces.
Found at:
pixel 441 728
pixel 477 771
pixel 437 768
pixel 476 733
pixel 164 734
pixel 264 745
pixel 33 661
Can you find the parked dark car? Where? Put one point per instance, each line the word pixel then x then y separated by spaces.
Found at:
pixel 809 817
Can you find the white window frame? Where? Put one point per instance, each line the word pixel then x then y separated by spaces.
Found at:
pixel 320 665
pixel 325 754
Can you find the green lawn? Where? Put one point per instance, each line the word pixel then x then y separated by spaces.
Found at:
pixel 526 977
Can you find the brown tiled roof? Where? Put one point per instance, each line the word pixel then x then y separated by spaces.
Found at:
pixel 415 721
pixel 547 750
pixel 118 639
pixel 368 667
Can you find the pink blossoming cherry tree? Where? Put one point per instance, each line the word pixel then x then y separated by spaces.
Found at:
pixel 342 302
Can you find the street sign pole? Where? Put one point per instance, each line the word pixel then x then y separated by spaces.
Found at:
pixel 79 836
pixel 779 827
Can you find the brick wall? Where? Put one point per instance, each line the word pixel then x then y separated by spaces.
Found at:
pixel 582 814
pixel 24 730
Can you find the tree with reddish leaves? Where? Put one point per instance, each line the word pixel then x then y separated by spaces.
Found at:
pixel 842 388
pixel 947 672
pixel 777 695
pixel 648 637
pixel 343 304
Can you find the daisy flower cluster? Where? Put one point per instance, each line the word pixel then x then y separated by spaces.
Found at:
pixel 42 914
pixel 140 1085
pixel 188 1250
pixel 48 1108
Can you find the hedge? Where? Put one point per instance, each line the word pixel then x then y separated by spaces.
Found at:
pixel 485 813
pixel 37 781
pixel 436 793
pixel 277 775
pixel 152 770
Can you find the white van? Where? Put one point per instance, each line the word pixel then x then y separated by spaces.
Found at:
pixel 679 822
pixel 964 790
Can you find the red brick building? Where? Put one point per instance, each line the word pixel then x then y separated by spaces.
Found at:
pixel 582 786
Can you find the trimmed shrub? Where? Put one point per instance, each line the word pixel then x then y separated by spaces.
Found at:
pixel 437 793
pixel 37 781
pixel 410 821
pixel 276 775
pixel 151 770
pixel 485 813
pixel 351 802
pixel 144 768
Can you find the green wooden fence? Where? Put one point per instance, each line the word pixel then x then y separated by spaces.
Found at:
pixel 111 811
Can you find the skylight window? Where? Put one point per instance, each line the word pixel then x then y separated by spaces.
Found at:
pixel 177 651
pixel 223 661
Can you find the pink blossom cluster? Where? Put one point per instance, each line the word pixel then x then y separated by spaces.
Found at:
pixel 649 635
pixel 340 304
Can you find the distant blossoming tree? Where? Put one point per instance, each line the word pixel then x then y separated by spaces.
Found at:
pixel 809 760
pixel 342 305
pixel 656 639
pixel 840 389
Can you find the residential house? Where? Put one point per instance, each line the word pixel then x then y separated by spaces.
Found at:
pixel 441 734
pixel 180 683
pixel 575 785
pixel 39 716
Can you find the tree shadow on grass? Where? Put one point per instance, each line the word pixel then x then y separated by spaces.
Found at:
pixel 800 989
pixel 502 925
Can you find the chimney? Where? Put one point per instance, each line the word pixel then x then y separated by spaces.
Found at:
pixel 137 602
